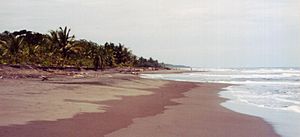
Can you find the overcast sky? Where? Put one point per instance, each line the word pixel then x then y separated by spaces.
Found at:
pixel 203 33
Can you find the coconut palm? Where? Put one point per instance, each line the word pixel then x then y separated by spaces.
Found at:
pixel 2 50
pixel 109 49
pixel 103 57
pixel 33 42
pixel 59 48
pixel 123 55
pixel 62 41
pixel 99 56
pixel 11 48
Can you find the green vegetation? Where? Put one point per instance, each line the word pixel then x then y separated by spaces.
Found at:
pixel 60 49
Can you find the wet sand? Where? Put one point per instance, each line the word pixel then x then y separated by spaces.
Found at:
pixel 198 115
pixel 124 106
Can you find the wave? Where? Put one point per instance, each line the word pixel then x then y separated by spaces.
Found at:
pixel 215 69
pixel 260 82
pixel 263 70
pixel 283 75
pixel 268 88
pixel 225 81
pixel 293 108
pixel 152 76
pixel 250 70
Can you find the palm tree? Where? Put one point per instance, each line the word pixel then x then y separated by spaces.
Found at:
pixel 11 48
pixel 110 53
pixel 32 45
pixel 90 54
pixel 103 57
pixel 59 48
pixel 62 41
pixel 2 51
pixel 100 57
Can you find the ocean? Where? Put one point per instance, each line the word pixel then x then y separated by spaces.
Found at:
pixel 269 93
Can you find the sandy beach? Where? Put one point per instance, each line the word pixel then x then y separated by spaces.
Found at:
pixel 120 105
pixel 152 68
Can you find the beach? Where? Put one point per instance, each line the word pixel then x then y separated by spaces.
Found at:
pixel 162 68
pixel 120 105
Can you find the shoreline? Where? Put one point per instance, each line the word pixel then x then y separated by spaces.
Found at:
pixel 210 120
pixel 167 96
pixel 277 120
pixel 255 95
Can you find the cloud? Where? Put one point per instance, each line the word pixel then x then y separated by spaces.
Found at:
pixel 208 30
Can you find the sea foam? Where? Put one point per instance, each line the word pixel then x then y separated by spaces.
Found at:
pixel 255 91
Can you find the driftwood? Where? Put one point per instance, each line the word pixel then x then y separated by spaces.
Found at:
pixel 44 78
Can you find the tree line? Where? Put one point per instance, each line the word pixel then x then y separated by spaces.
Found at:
pixel 59 48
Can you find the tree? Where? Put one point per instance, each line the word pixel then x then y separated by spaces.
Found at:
pixel 11 48
pixel 91 53
pixel 110 52
pixel 103 57
pixel 63 42
pixel 32 42
pixel 123 56
pixel 59 48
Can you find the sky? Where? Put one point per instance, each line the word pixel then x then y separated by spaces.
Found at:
pixel 199 33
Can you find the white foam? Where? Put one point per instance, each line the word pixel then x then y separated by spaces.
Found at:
pixel 269 88
pixel 264 82
pixel 293 108
pixel 272 94
pixel 265 70
pixel 152 76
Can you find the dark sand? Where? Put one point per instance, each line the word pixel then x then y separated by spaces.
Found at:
pixel 195 113
pixel 198 115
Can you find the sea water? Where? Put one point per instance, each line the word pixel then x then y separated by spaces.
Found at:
pixel 270 93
